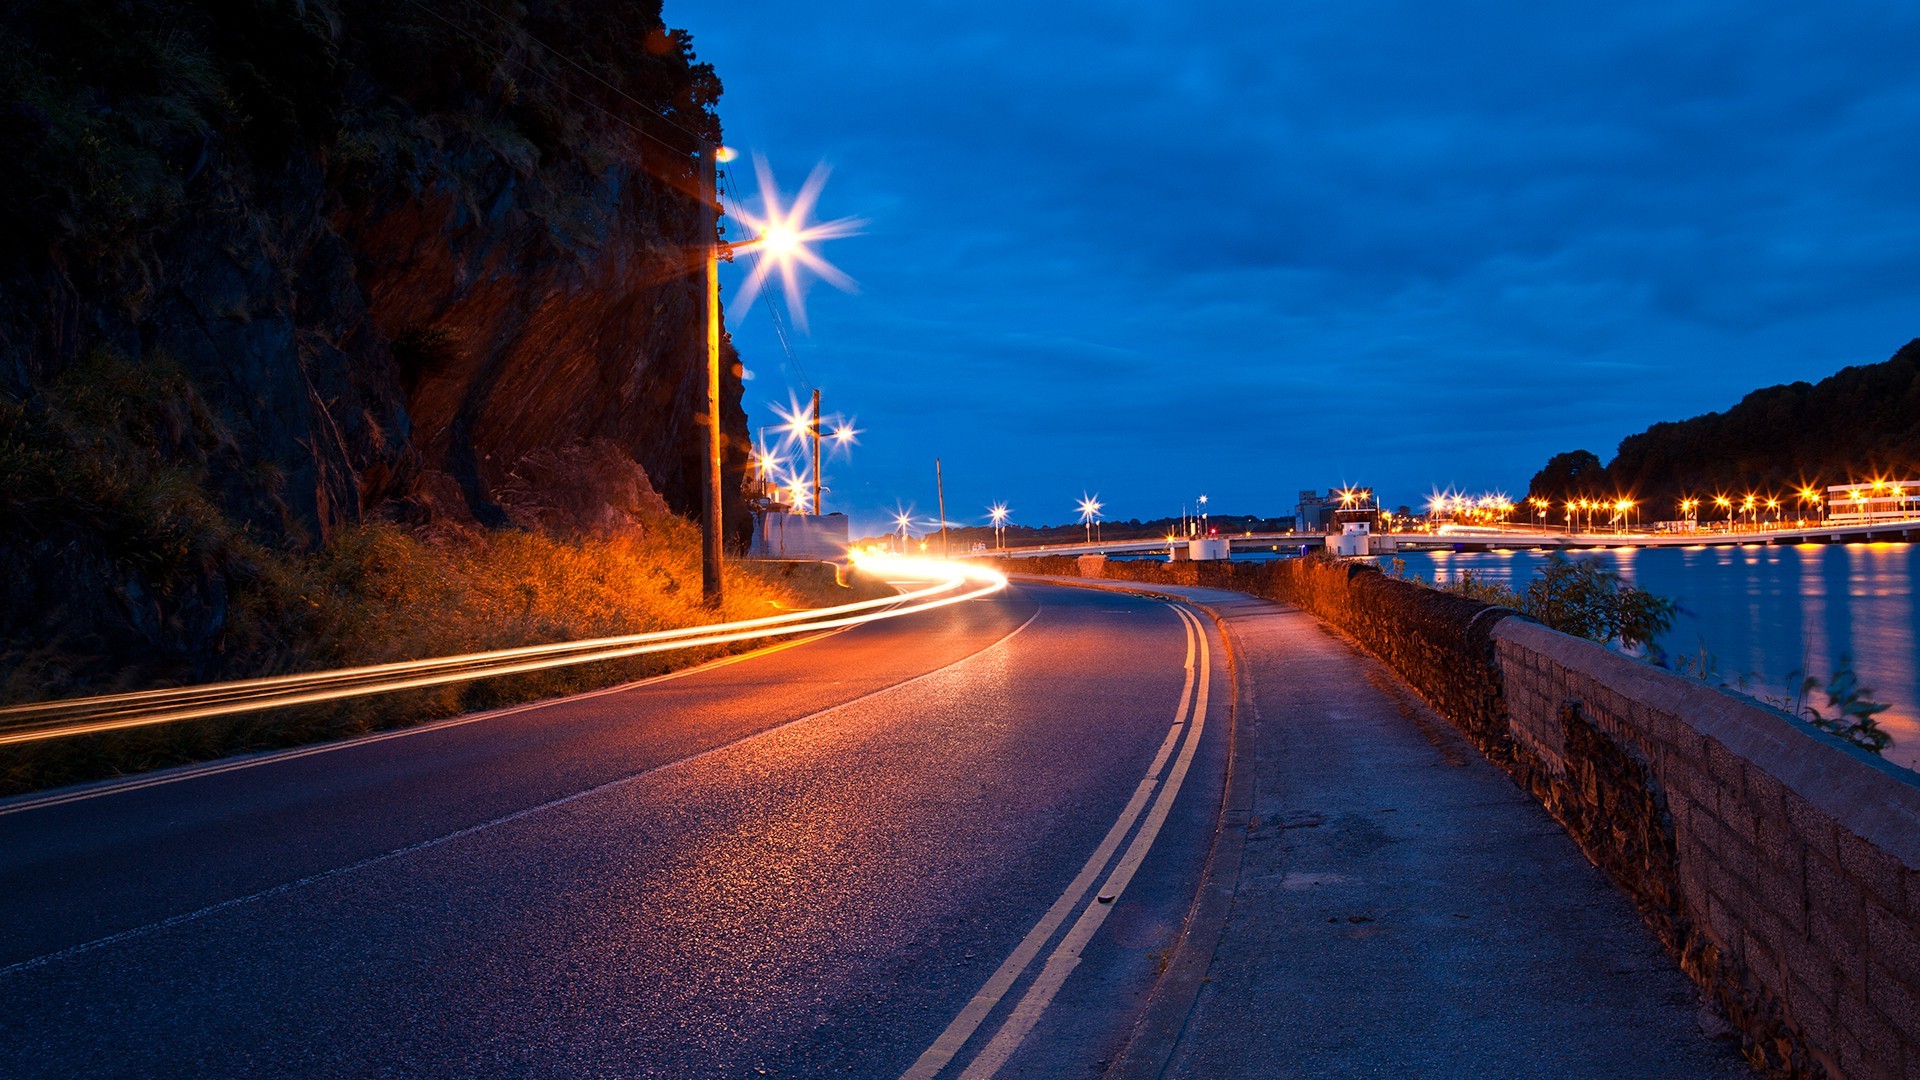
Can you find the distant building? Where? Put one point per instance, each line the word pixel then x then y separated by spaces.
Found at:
pixel 1881 500
pixel 1314 511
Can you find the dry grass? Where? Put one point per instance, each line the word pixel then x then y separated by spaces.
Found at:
pixel 384 594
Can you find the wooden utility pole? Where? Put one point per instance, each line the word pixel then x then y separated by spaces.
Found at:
pixel 940 490
pixel 710 519
pixel 817 508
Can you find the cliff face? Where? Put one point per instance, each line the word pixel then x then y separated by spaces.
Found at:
pixel 428 261
pixel 401 247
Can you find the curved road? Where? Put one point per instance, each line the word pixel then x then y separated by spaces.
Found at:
pixel 945 844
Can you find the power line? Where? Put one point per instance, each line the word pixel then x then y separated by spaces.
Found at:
pixel 557 85
pixel 777 317
pixel 774 313
pixel 584 70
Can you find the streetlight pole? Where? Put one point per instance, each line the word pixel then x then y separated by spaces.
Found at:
pixel 711 585
pixel 817 511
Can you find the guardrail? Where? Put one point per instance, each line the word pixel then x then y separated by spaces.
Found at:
pixel 949 584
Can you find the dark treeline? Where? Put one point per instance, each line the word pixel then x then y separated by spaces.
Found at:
pixel 1860 423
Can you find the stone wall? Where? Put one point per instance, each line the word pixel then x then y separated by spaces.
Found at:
pixel 1779 865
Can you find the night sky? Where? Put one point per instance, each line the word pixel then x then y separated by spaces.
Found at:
pixel 1152 251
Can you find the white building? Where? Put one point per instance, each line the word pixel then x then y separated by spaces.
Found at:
pixel 1878 500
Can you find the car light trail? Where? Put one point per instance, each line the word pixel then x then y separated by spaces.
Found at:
pixel 947 583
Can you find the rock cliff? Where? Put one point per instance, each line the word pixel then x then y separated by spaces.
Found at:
pixel 402 248
pixel 273 268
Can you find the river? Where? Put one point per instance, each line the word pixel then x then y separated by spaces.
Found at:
pixel 1763 613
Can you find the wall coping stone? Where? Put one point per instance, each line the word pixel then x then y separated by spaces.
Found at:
pixel 1874 799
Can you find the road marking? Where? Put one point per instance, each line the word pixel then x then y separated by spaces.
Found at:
pixel 1066 955
pixel 1186 721
pixel 171 921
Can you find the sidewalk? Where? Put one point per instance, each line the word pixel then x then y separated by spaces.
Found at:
pixel 1402 909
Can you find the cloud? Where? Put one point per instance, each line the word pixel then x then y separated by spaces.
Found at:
pixel 1262 244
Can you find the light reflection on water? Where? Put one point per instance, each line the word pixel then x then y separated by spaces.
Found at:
pixel 1764 612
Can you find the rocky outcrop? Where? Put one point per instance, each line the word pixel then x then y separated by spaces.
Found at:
pixel 421 262
pixel 396 245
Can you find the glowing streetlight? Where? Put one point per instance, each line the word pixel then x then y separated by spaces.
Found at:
pixel 782 236
pixel 902 519
pixel 998 513
pixel 786 238
pixel 1089 507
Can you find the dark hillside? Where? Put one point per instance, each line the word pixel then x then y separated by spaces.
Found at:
pixel 1859 422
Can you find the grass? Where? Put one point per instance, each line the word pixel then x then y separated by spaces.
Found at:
pixel 383 594
pixel 128 565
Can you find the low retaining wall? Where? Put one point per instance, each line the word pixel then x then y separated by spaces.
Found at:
pixel 1779 865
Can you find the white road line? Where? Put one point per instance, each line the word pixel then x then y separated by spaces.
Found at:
pixel 1066 955
pixel 955 1037
pixel 213 909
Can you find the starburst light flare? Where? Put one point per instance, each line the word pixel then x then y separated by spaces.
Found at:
pixel 784 239
pixel 796 420
pixel 844 434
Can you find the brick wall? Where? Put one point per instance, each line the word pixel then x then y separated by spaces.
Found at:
pixel 1779 865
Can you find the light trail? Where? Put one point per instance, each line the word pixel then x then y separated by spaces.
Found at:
pixel 949 583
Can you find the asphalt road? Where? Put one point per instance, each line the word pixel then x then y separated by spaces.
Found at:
pixel 859 855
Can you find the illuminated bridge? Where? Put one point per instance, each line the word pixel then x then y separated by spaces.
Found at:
pixel 1477 538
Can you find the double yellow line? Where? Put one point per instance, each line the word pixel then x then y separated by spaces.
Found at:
pixel 950 583
pixel 1189 720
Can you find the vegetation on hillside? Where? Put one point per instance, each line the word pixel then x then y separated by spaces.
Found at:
pixel 108 475
pixel 112 111
pixel 1858 423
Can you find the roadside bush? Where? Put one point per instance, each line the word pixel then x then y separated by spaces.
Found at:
pixel 1582 598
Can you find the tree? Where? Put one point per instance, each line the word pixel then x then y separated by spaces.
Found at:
pixel 1566 474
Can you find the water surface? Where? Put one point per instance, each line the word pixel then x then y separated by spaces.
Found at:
pixel 1763 614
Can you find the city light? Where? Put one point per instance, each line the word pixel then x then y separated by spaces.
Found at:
pixel 785 237
pixel 1089 507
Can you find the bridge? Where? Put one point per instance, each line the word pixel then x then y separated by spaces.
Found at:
pixel 1513 535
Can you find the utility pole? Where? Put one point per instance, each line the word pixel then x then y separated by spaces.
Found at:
pixel 940 489
pixel 817 508
pixel 710 519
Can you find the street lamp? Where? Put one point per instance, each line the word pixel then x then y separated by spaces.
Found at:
pixel 783 237
pixel 998 512
pixel 1810 497
pixel 1089 507
pixel 901 520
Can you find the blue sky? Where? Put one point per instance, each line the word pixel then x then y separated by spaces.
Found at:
pixel 1156 250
